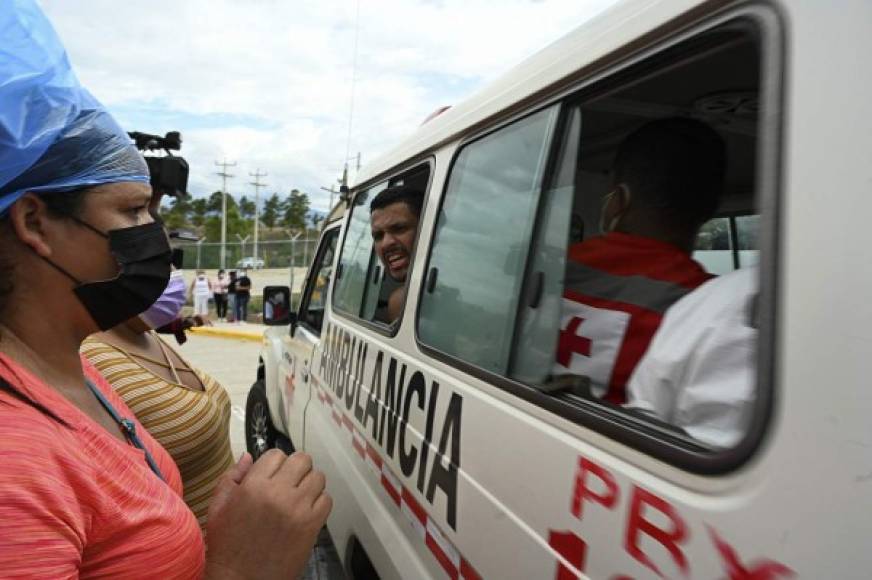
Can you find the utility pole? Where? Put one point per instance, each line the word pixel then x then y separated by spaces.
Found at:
pixel 224 177
pixel 257 185
pixel 342 181
pixel 199 247
pixel 332 191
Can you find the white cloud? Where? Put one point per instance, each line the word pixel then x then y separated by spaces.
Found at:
pixel 267 82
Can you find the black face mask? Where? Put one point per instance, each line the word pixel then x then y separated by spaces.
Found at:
pixel 144 254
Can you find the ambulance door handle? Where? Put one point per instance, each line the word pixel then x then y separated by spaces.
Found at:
pixel 431 280
pixel 537 284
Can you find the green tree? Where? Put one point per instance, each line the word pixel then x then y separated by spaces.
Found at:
pixel 198 211
pixel 213 206
pixel 176 214
pixel 296 207
pixel 235 225
pixel 269 215
pixel 246 208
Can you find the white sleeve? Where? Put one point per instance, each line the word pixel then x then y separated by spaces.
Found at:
pixel 699 371
pixel 652 386
pixel 718 395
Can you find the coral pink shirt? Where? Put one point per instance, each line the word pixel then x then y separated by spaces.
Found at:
pixel 76 502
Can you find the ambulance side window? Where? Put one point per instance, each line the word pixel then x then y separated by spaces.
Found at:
pixel 481 241
pixel 312 312
pixel 359 275
pixel 365 290
pixel 584 254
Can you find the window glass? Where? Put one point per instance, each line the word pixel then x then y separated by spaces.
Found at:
pixel 616 271
pixel 714 246
pixel 351 284
pixel 313 310
pixel 748 228
pixel 643 291
pixel 481 241
pixel 540 316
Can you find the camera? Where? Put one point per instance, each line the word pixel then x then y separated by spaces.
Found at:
pixel 169 174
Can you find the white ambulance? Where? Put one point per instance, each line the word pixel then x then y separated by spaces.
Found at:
pixel 448 449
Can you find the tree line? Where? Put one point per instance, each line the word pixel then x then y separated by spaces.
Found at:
pixel 278 215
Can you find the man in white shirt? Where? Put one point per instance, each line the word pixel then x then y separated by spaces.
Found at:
pixel 699 373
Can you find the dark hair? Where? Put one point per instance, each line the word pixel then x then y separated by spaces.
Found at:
pixel 59 204
pixel 221 271
pixel 65 203
pixel 413 198
pixel 674 165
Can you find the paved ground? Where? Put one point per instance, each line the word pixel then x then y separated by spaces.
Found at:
pixel 233 363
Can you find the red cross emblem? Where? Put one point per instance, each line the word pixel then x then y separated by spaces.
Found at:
pixel 571 343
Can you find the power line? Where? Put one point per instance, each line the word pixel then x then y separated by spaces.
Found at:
pixel 257 185
pixel 224 177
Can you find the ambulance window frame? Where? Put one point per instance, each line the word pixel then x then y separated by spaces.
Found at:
pixel 311 278
pixel 655 438
pixel 386 330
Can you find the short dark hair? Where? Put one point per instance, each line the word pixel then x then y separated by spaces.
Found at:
pixel 674 165
pixel 413 198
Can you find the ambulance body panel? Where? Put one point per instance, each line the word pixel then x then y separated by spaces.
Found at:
pixel 442 469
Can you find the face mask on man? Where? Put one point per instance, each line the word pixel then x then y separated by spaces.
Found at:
pixel 144 256
pixel 168 305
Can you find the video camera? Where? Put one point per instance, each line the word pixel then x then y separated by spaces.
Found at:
pixel 169 174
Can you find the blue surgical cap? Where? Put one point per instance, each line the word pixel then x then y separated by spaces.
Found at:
pixel 54 135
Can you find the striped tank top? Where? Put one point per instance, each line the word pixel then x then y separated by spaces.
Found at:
pixel 193 426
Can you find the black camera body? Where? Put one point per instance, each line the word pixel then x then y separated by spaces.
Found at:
pixel 169 174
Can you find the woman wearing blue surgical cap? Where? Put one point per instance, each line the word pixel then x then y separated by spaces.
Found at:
pixel 84 490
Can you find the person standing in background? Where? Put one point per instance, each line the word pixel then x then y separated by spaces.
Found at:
pixel 231 297
pixel 219 293
pixel 243 295
pixel 201 290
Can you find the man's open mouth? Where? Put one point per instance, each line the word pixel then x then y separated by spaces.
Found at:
pixel 396 259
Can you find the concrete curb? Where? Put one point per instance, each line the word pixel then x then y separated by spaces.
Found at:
pixel 236 333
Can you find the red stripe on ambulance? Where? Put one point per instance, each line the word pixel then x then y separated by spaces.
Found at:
pixel 452 562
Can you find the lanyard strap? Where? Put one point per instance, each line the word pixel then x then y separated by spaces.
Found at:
pixel 129 428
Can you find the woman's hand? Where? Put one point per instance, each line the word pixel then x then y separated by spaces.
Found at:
pixel 265 518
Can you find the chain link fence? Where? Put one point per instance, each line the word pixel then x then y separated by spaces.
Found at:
pixel 270 254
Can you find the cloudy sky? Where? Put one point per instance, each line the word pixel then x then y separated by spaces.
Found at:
pixel 267 83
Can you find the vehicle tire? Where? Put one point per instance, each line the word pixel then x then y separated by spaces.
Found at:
pixel 260 433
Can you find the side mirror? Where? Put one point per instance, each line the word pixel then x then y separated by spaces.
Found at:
pixel 277 306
